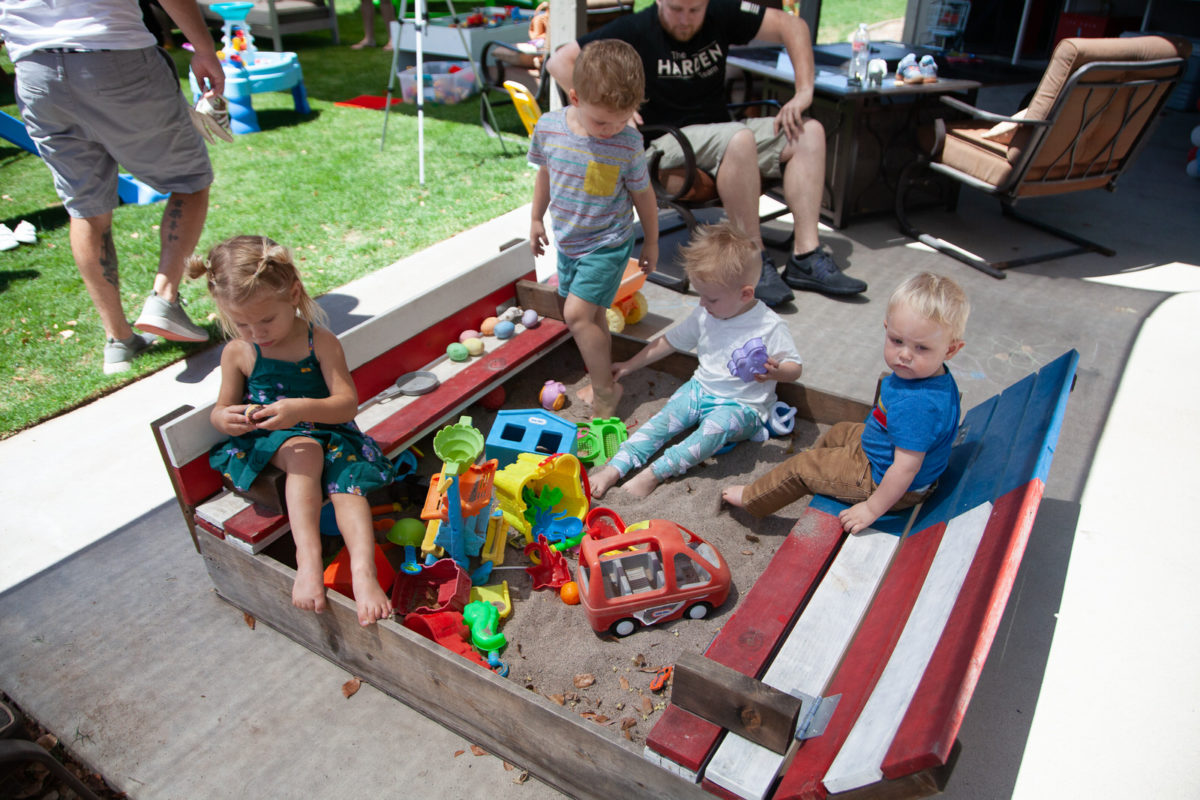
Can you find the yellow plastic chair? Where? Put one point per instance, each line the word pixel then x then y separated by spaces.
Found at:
pixel 525 103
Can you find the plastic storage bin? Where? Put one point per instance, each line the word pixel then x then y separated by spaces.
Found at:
pixel 444 82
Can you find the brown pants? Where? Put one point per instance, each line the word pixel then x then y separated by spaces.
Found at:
pixel 835 466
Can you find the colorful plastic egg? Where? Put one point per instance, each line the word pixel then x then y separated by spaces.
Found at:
pixel 504 329
pixel 530 318
pixel 474 345
pixel 457 351
pixel 462 337
pixel 488 326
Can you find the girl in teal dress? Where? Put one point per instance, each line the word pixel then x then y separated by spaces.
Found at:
pixel 287 399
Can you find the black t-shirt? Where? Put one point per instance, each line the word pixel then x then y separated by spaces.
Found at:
pixel 685 81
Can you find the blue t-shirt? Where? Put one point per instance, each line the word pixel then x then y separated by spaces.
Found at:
pixel 918 415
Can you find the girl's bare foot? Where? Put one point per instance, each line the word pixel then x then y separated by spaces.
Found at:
pixel 602 480
pixel 733 495
pixel 372 602
pixel 642 484
pixel 308 591
pixel 364 43
pixel 387 48
pixel 585 394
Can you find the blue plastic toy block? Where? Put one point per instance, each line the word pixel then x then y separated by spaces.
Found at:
pixel 528 431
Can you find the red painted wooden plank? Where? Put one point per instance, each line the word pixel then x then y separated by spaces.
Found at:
pixel 863 662
pixel 432 408
pixel 936 712
pixel 208 526
pixel 372 377
pixel 683 737
pixel 749 639
pixel 718 791
pixel 250 525
pixel 197 481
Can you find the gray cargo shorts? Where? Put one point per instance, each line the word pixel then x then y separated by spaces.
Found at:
pixel 88 112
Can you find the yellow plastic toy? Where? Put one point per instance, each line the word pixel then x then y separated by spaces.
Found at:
pixel 629 306
pixel 525 103
pixel 496 594
pixel 538 473
pixel 493 543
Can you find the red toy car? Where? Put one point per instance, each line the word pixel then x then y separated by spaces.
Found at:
pixel 654 572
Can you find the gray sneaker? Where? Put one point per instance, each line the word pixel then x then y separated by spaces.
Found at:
pixel 169 321
pixel 119 353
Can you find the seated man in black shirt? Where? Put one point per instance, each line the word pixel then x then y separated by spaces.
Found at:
pixel 684 45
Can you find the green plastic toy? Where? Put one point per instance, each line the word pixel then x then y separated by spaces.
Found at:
pixel 599 440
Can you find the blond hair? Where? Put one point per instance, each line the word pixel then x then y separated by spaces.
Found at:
pixel 243 267
pixel 935 298
pixel 608 72
pixel 722 254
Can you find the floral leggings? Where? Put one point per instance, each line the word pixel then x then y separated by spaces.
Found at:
pixel 718 422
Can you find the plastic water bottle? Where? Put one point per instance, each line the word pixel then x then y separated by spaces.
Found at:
pixel 860 53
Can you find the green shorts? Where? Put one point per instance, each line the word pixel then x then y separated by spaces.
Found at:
pixel 596 276
pixel 709 143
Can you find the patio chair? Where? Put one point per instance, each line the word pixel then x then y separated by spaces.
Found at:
pixel 510 68
pixel 274 18
pixel 1089 117
pixel 688 189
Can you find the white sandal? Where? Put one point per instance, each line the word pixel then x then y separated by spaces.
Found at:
pixel 25 233
pixel 8 240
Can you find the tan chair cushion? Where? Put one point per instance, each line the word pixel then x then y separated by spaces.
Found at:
pixel 989 153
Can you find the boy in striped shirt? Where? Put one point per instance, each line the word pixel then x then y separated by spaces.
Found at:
pixel 591 176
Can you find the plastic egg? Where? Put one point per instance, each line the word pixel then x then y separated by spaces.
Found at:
pixel 488 326
pixel 457 351
pixel 462 337
pixel 474 345
pixel 504 329
pixel 530 318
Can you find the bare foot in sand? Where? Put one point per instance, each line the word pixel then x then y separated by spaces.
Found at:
pixel 373 603
pixel 308 591
pixel 603 405
pixel 602 480
pixel 363 44
pixel 733 495
pixel 642 484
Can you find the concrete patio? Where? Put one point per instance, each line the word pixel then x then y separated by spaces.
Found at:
pixel 114 639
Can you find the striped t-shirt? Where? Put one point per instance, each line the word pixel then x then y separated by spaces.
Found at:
pixel 590 183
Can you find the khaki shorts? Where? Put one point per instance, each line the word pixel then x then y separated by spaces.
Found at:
pixel 709 143
pixel 88 112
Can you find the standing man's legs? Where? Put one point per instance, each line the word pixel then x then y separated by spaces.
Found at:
pixel 182 223
pixel 96 258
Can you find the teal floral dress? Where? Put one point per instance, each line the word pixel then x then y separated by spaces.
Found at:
pixel 354 464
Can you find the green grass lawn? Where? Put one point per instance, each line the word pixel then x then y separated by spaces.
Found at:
pixel 317 183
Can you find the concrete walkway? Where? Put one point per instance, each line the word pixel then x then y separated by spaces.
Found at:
pixel 114 639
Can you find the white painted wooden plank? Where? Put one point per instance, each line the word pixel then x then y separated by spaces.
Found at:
pixel 221 508
pixel 669 765
pixel 381 333
pixel 189 436
pixel 859 761
pixel 806 661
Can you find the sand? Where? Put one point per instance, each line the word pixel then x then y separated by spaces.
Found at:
pixel 552 648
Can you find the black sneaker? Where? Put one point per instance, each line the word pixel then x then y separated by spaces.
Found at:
pixel 818 273
pixel 771 289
